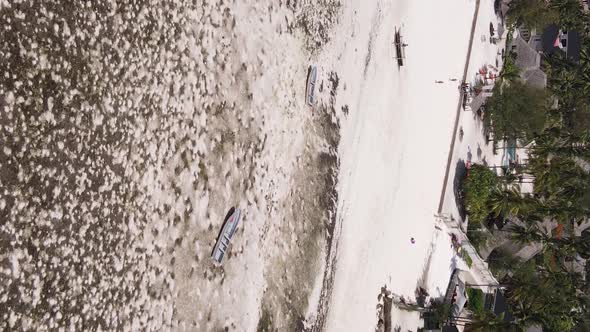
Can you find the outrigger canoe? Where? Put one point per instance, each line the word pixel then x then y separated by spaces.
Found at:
pixel 228 229
pixel 310 89
pixel 400 48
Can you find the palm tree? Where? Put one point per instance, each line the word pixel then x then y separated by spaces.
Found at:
pixel 560 178
pixel 544 298
pixel 563 210
pixel 530 13
pixel 570 14
pixel 517 111
pixel 582 245
pixel 569 80
pixel 564 78
pixel 559 247
pixel 487 321
pixel 507 201
pixel 527 234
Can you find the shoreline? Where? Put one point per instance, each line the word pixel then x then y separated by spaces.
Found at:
pixel 422 280
pixel 459 106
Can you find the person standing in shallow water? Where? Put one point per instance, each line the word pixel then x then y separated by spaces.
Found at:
pixel 412 240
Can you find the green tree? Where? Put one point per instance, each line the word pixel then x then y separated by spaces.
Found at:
pixel 516 111
pixel 526 234
pixel 556 142
pixel 559 246
pixel 546 299
pixel 543 291
pixel 561 178
pixel 476 300
pixel 487 321
pixel 568 80
pixel 570 14
pixel 579 119
pixel 531 13
pixel 507 201
pixel 477 190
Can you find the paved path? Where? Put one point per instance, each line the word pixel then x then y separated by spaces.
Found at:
pixel 459 106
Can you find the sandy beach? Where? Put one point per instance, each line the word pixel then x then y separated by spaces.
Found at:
pixel 161 116
pixel 395 153
pixel 393 156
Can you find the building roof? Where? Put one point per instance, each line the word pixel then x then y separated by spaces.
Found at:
pixel 501 307
pixel 572 49
pixel 451 286
pixel 548 39
pixel 504 7
pixel 574 45
pixel 528 60
pixel 479 100
pixel 526 56
pixel 460 298
pixel 535 77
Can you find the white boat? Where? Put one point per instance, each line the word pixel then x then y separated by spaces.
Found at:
pixel 228 229
pixel 310 89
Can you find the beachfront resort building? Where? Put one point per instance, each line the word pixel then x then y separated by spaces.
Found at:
pixel 465 299
pixel 529 45
pixel 528 60
pixel 556 40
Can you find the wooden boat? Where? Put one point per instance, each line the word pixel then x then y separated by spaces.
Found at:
pixel 228 229
pixel 400 48
pixel 312 74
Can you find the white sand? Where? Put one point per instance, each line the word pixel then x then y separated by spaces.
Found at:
pixel 241 54
pixel 483 53
pixel 394 150
pixel 393 153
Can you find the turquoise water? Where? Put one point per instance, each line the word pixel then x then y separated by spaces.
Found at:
pixel 510 155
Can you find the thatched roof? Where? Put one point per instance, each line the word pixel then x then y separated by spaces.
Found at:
pixel 479 100
pixel 535 77
pixel 528 60
pixel 526 57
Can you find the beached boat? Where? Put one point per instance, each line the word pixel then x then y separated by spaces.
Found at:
pixel 400 48
pixel 228 229
pixel 310 89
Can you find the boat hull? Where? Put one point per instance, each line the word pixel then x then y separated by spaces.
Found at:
pixel 311 82
pixel 228 229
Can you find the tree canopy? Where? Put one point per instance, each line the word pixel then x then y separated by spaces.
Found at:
pixel 546 290
pixel 517 111
pixel 531 13
pixel 537 14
